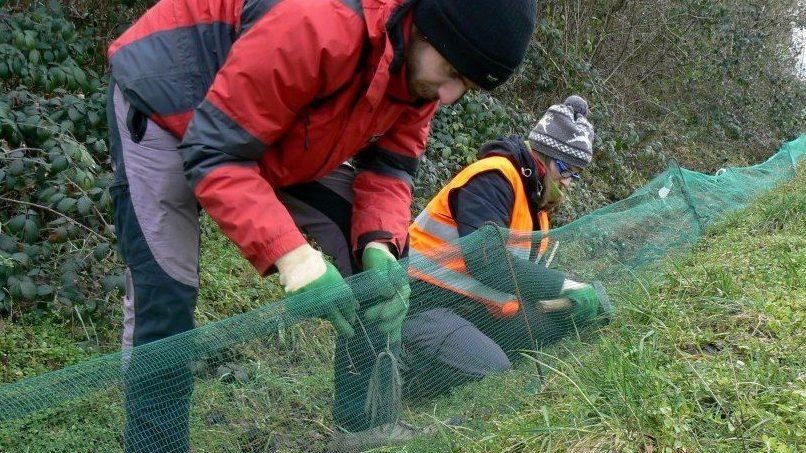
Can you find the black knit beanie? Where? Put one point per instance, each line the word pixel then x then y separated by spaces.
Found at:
pixel 485 40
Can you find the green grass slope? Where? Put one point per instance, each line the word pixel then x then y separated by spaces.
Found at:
pixel 708 356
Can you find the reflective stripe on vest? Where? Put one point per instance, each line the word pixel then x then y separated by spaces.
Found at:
pixel 434 231
pixel 498 303
pixel 445 232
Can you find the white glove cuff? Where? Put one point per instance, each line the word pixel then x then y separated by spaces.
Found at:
pixel 381 246
pixel 300 267
pixel 569 285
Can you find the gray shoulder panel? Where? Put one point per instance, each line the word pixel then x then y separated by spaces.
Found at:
pixel 212 139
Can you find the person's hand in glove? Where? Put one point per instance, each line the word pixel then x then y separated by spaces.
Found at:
pixel 305 269
pixel 390 312
pixel 588 300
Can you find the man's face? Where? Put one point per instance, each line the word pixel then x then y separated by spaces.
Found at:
pixel 430 76
pixel 555 184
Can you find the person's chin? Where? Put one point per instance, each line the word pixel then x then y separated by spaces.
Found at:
pixel 420 93
pixel 554 202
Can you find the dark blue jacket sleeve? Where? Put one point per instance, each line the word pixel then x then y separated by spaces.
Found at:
pixel 486 198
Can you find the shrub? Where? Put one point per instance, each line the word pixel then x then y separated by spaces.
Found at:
pixel 707 83
pixel 55 238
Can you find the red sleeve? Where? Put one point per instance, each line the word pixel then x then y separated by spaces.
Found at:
pixel 295 52
pixel 384 184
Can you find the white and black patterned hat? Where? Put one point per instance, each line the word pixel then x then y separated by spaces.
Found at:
pixel 565 133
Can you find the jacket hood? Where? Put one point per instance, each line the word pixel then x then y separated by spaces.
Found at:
pixel 384 19
pixel 514 148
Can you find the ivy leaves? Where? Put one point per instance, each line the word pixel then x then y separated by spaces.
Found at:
pixel 55 237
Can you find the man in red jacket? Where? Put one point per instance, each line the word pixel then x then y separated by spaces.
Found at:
pixel 249 108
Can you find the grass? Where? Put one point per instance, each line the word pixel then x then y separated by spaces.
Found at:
pixel 706 355
pixel 33 346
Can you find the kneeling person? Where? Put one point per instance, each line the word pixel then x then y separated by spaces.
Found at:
pixel 474 307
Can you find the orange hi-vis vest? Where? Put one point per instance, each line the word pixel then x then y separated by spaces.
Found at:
pixel 436 259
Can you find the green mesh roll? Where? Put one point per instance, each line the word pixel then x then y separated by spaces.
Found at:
pixel 375 379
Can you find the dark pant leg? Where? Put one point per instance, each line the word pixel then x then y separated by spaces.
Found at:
pixel 364 365
pixel 443 350
pixel 156 224
pixel 322 211
pixel 531 329
pixel 367 387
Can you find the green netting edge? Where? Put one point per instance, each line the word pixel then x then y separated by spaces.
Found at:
pixel 58 387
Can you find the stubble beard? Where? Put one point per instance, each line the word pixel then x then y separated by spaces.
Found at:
pixel 420 92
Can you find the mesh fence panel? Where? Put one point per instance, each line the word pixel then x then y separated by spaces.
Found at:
pixel 474 307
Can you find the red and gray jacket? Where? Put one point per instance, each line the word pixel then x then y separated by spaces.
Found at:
pixel 269 93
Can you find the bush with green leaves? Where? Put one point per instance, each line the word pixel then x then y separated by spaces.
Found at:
pixel 55 237
pixel 707 83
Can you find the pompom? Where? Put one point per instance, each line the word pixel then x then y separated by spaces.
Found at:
pixel 577 104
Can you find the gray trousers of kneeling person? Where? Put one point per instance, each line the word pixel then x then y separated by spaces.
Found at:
pixel 449 345
pixel 156 219
pixel 443 350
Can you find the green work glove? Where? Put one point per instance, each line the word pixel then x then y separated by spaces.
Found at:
pixel 304 270
pixel 589 301
pixel 394 289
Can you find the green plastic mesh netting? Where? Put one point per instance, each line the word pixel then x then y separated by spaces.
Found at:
pixel 265 380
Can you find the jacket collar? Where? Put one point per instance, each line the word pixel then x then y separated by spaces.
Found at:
pixel 515 149
pixel 381 52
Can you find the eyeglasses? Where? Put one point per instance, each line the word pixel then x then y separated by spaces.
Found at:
pixel 566 171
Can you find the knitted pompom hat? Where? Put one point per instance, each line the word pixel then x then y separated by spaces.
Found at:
pixel 564 133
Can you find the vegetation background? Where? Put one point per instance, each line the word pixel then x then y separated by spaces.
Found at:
pixel 706 83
